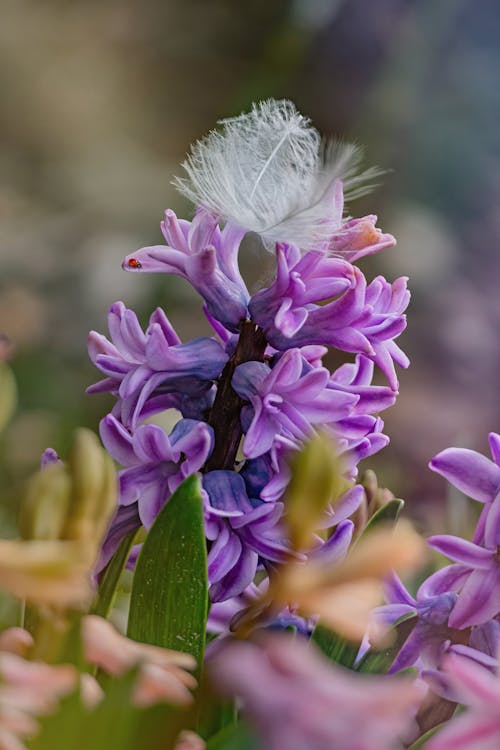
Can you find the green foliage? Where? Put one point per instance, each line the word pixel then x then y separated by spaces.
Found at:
pixel 8 394
pixel 169 601
pixel 236 737
pixel 114 725
pixel 386 514
pixel 423 740
pixel 335 647
pixel 378 661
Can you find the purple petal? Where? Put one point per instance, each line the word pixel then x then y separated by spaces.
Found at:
pixel 479 599
pixel 152 444
pixel 468 471
pixel 395 591
pixel 117 441
pixel 461 550
pixel 223 555
pixel 449 578
pixel 238 578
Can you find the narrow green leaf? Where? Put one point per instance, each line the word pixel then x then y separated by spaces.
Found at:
pixel 386 514
pixel 168 606
pixel 236 737
pixel 335 647
pixel 422 741
pixel 111 576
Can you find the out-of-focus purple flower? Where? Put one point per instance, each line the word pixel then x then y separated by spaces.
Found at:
pixel 204 255
pixel 49 456
pixel 430 637
pixel 478 570
pixel 156 463
pixel 362 318
pixel 295 699
pixel 139 365
pixel 471 472
pixel 287 399
pixel 242 530
pixel 478 728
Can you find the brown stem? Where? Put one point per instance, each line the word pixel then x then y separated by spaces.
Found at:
pixel 224 416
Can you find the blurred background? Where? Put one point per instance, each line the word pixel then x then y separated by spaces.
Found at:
pixel 100 101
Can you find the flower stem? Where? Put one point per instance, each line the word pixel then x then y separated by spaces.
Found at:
pixel 224 416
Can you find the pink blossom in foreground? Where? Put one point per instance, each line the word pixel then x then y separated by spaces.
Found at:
pixel 478 728
pixel 296 699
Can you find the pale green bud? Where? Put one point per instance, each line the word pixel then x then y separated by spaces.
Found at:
pixel 45 505
pixel 8 394
pixel 316 483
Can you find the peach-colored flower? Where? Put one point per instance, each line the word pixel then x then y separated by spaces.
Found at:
pixel 343 595
pixel 46 572
pixel 189 741
pixel 162 674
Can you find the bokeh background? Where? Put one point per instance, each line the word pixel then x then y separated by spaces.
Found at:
pixel 99 102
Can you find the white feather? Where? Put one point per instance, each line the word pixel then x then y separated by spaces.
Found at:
pixel 269 172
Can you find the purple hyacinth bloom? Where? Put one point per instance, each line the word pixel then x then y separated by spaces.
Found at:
pixel 139 365
pixel 363 319
pixel 287 399
pixel 478 727
pixel 356 377
pixel 470 472
pixel 204 255
pixel 295 699
pixel 477 573
pixel 156 463
pixel 242 531
pixel 431 636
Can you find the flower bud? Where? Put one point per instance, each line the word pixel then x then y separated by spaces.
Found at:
pixel 93 489
pixel 316 482
pixel 46 503
pixel 8 394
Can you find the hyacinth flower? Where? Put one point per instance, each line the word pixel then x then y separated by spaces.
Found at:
pixel 475 575
pixel 476 572
pixel 241 529
pixel 478 727
pixel 204 255
pixel 259 389
pixel 363 319
pixel 295 698
pixel 137 363
pixel 431 636
pixel 287 400
pixel 156 464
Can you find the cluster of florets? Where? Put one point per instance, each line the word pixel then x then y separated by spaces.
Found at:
pixel 252 394
pixel 457 609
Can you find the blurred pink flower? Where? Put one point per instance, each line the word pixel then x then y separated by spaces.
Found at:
pixel 296 699
pixel 478 728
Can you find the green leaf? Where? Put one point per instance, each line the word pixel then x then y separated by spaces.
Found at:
pixel 379 661
pixel 421 742
pixel 236 737
pixel 111 576
pixel 115 724
pixel 388 513
pixel 8 394
pixel 168 605
pixel 335 647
